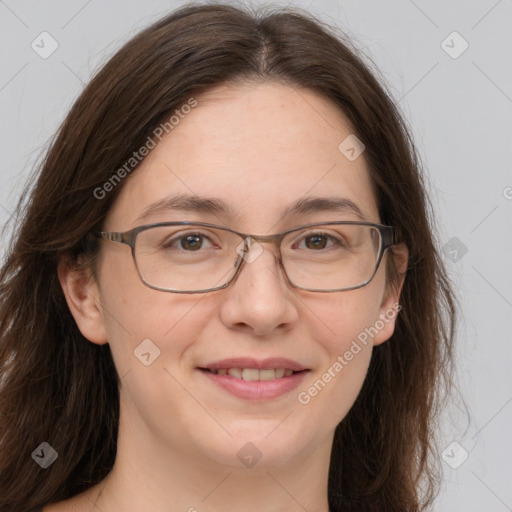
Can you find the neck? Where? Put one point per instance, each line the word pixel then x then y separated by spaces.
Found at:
pixel 148 475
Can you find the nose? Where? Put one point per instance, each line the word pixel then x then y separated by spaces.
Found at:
pixel 260 300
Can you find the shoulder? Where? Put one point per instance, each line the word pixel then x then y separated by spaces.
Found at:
pixel 56 507
pixel 60 506
pixel 79 503
pixel 71 505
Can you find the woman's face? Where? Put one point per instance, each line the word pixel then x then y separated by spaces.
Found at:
pixel 258 149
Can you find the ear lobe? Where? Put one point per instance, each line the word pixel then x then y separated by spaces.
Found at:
pixel 82 297
pixel 390 306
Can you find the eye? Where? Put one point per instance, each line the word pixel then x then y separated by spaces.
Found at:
pixel 318 241
pixel 189 242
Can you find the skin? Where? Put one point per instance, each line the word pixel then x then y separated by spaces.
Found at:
pixel 258 147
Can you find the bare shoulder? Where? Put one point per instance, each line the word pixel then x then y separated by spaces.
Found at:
pixel 63 506
pixel 57 507
pixel 80 503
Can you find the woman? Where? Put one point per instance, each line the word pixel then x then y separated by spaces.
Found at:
pixel 161 349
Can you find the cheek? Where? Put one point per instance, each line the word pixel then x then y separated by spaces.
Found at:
pixel 133 313
pixel 335 320
pixel 340 326
pixel 149 332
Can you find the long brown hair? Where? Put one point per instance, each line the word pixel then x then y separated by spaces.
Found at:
pixel 57 387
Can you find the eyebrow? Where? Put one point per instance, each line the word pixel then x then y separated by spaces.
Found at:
pixel 216 206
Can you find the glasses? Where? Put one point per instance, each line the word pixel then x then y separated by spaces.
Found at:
pixel 197 257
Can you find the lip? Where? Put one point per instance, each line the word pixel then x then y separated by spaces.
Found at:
pixel 261 364
pixel 255 390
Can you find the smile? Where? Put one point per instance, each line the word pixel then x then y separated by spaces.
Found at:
pixel 252 374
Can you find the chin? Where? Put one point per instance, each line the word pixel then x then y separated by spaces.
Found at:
pixel 257 446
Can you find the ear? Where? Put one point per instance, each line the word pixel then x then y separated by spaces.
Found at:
pixel 82 295
pixel 390 305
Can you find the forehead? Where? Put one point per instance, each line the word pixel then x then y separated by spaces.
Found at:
pixel 259 149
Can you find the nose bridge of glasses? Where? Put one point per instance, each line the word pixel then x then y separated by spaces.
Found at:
pixel 250 241
pixel 251 249
pixel 265 238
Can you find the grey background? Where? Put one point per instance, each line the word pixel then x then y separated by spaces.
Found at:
pixel 460 113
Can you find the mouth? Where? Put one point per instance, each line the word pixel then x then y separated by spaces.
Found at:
pixel 254 384
pixel 254 374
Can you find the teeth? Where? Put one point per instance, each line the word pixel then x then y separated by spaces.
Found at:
pixel 266 374
pixel 235 372
pixel 252 374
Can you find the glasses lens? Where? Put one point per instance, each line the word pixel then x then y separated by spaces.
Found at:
pixel 331 257
pixel 186 258
pixel 193 258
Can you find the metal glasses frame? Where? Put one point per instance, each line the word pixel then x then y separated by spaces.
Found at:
pixel 387 239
